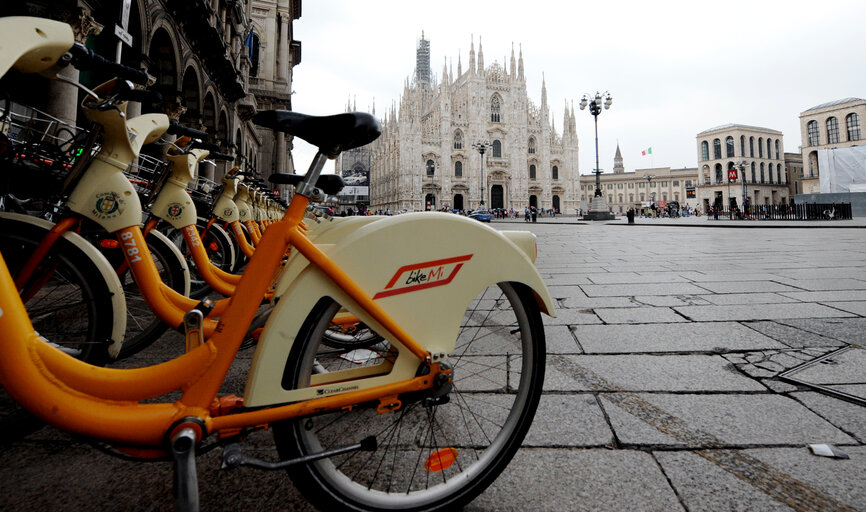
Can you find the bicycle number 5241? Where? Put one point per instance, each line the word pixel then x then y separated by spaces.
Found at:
pixel 132 252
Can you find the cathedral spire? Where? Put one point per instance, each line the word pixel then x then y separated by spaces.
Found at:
pixel 459 65
pixel 480 58
pixel 472 56
pixel 513 62
pixel 617 161
pixel 543 93
pixel 520 66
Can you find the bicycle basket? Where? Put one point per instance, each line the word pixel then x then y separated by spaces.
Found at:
pixel 147 175
pixel 39 152
pixel 203 191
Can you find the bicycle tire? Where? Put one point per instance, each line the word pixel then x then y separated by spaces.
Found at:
pixel 143 326
pixel 501 319
pixel 74 307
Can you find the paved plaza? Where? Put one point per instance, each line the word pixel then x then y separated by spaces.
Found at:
pixel 661 392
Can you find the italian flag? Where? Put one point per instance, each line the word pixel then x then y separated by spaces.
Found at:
pixel 647 151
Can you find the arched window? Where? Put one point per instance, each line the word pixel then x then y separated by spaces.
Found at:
pixel 742 145
pixel 779 173
pixel 458 169
pixel 770 172
pixel 705 151
pixel 760 147
pixel 832 130
pixel 762 172
pixel 753 172
pixel 777 149
pixel 531 149
pixel 769 150
pixel 718 172
pixel 532 172
pixel 458 140
pixel 729 147
pixel 717 149
pixel 497 149
pixel 751 147
pixel 852 122
pixel 495 108
pixel 554 173
pixel 812 131
pixel 431 167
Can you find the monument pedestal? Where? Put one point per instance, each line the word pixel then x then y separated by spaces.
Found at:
pixel 598 210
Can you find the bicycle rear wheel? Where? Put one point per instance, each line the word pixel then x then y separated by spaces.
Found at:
pixel 432 454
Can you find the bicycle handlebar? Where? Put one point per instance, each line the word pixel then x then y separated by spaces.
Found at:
pixel 216 155
pixel 85 59
pixel 179 129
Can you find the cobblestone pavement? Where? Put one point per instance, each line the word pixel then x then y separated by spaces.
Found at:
pixel 661 391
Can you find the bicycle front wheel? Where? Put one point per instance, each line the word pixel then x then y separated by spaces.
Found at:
pixel 432 453
pixel 67 299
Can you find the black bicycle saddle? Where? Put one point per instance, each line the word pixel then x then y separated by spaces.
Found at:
pixel 331 134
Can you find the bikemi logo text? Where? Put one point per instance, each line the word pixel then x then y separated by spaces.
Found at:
pixel 420 276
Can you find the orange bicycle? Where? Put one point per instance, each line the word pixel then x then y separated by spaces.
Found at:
pixel 426 421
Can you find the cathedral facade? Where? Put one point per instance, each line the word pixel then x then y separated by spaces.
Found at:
pixel 430 157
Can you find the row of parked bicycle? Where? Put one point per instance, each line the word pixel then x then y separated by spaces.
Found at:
pixel 397 368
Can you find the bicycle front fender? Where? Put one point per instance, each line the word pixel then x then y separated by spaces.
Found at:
pixel 32 44
pixel 423 269
pixel 108 274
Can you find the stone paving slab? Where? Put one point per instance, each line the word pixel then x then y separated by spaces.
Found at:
pixel 792 336
pixel 848 330
pixel 637 315
pixel 636 277
pixel 857 308
pixel 848 417
pixel 715 420
pixel 824 284
pixel 756 286
pixel 568 316
pixel 672 300
pixel 629 290
pixel 727 299
pixel 569 420
pixel 828 296
pixel 579 480
pixel 765 312
pixel 694 337
pixel 574 298
pixel 691 373
pixel 815 483
pixel 560 340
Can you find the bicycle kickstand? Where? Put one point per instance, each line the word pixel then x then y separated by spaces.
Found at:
pixel 185 479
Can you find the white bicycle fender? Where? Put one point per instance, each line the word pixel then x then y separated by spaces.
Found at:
pixel 32 44
pixel 423 269
pixel 118 298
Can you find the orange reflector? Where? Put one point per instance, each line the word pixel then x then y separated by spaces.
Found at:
pixel 109 243
pixel 440 459
pixel 213 246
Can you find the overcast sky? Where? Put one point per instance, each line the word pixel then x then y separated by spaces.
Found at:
pixel 674 67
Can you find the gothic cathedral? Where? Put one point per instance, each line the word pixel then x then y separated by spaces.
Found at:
pixel 432 150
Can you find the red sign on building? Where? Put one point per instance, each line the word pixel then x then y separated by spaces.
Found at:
pixel 732 175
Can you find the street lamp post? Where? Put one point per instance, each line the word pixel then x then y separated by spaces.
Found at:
pixel 649 178
pixel 599 206
pixel 482 148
